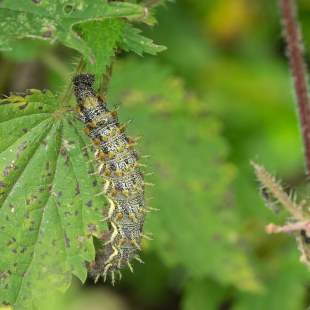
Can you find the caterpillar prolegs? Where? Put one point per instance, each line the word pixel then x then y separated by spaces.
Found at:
pixel 117 162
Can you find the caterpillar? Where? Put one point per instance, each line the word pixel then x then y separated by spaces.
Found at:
pixel 118 163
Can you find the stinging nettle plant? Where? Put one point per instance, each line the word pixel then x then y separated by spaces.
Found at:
pixel 273 193
pixel 50 208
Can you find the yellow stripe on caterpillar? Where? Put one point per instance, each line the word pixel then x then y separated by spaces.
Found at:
pixel 115 253
pixel 114 234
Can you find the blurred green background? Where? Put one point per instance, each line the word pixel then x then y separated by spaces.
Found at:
pixel 218 97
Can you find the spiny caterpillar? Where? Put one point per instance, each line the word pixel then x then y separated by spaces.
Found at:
pixel 117 162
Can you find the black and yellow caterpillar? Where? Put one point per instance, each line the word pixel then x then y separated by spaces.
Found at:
pixel 118 163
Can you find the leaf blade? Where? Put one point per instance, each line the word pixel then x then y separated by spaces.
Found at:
pixel 46 194
pixel 132 40
pixel 55 20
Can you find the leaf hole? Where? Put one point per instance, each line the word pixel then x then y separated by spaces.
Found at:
pixel 68 9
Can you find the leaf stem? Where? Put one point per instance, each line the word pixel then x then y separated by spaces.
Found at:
pixel 69 89
pixel 295 54
pixel 106 79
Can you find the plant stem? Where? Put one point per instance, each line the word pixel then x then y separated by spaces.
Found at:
pixel 277 192
pixel 295 55
pixel 106 79
pixel 65 98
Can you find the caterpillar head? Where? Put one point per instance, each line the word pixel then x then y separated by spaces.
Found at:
pixel 84 79
pixel 83 86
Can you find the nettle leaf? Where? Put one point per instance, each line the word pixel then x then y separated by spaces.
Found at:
pixel 49 204
pixel 54 20
pixel 102 36
pixel 132 40
pixel 195 228
pixel 105 36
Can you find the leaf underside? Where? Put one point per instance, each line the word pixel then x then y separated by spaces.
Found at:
pixel 49 208
pixel 64 21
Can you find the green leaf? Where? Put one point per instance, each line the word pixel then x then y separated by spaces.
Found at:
pixel 285 285
pixel 49 208
pixel 195 227
pixel 203 294
pixel 133 41
pixel 54 20
pixel 102 37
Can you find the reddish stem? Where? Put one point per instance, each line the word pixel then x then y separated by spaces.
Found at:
pixel 295 54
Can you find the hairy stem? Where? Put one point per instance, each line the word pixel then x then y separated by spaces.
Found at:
pixel 295 55
pixel 68 93
pixel 106 79
pixel 277 192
